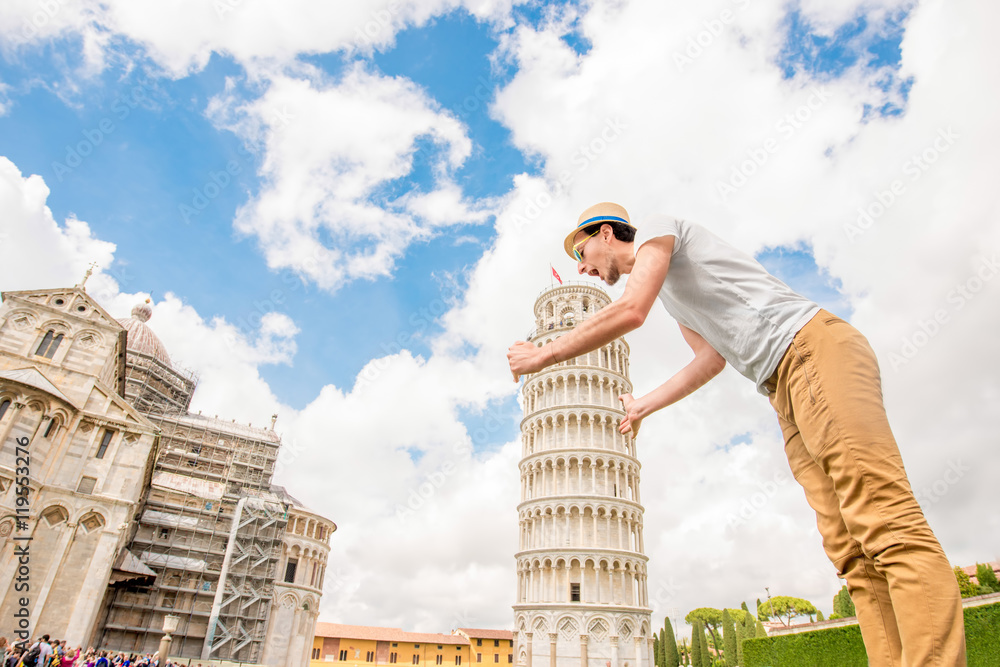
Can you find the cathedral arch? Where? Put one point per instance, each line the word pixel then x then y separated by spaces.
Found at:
pixel 92 521
pixel 54 515
pixel 88 339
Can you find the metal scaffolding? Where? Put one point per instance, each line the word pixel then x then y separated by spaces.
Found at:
pixel 152 386
pixel 242 604
pixel 211 530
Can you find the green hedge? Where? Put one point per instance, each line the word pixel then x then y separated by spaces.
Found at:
pixel 982 635
pixel 842 647
pixel 835 647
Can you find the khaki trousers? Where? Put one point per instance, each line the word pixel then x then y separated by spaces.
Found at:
pixel 827 392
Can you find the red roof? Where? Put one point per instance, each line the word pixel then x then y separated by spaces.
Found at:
pixel 375 633
pixel 486 634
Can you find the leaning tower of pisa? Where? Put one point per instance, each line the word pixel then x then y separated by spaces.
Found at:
pixel 581 571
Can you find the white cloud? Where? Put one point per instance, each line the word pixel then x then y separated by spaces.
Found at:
pixel 332 151
pixel 181 37
pixel 32 242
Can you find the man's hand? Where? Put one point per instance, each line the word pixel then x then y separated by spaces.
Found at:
pixel 632 419
pixel 527 358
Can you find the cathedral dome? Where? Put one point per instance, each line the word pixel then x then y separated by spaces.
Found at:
pixel 141 338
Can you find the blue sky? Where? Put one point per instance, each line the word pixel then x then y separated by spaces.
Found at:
pixel 157 151
pixel 201 177
pixel 160 152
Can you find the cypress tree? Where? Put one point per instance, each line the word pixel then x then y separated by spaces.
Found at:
pixel 820 616
pixel 739 644
pixel 729 637
pixel 761 632
pixel 749 626
pixel 706 656
pixel 669 645
pixel 656 650
pixel 697 638
pixel 843 605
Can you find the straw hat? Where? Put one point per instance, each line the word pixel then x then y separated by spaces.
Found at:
pixel 596 213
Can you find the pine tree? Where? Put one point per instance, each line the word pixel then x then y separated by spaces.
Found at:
pixel 729 637
pixel 697 637
pixel 740 634
pixel 669 645
pixel 987 578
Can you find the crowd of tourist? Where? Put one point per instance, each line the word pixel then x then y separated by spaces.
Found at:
pixel 46 652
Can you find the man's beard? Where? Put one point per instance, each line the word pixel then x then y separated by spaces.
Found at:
pixel 613 273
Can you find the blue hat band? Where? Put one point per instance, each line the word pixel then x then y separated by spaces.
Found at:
pixel 601 218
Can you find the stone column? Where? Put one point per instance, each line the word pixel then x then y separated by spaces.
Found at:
pixel 583 651
pixel 614 651
pixel 553 639
pixel 528 636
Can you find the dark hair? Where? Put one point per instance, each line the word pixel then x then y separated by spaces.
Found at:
pixel 622 231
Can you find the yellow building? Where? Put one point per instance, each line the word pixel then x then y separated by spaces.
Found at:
pixel 365 646
pixel 489 647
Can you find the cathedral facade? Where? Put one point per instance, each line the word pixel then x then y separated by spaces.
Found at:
pixel 88 458
pixel 140 509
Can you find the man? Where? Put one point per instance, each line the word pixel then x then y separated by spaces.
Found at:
pixel 39 653
pixel 822 380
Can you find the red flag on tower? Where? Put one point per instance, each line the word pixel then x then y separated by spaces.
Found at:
pixel 556 275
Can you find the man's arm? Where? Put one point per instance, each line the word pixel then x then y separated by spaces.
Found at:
pixel 628 313
pixel 707 363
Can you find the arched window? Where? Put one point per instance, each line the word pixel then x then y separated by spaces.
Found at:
pixel 3 408
pixel 105 441
pixel 51 428
pixel 50 343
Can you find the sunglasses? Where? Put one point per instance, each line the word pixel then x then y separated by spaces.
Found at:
pixel 578 245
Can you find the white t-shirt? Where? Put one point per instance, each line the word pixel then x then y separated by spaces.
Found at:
pixel 44 651
pixel 726 296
